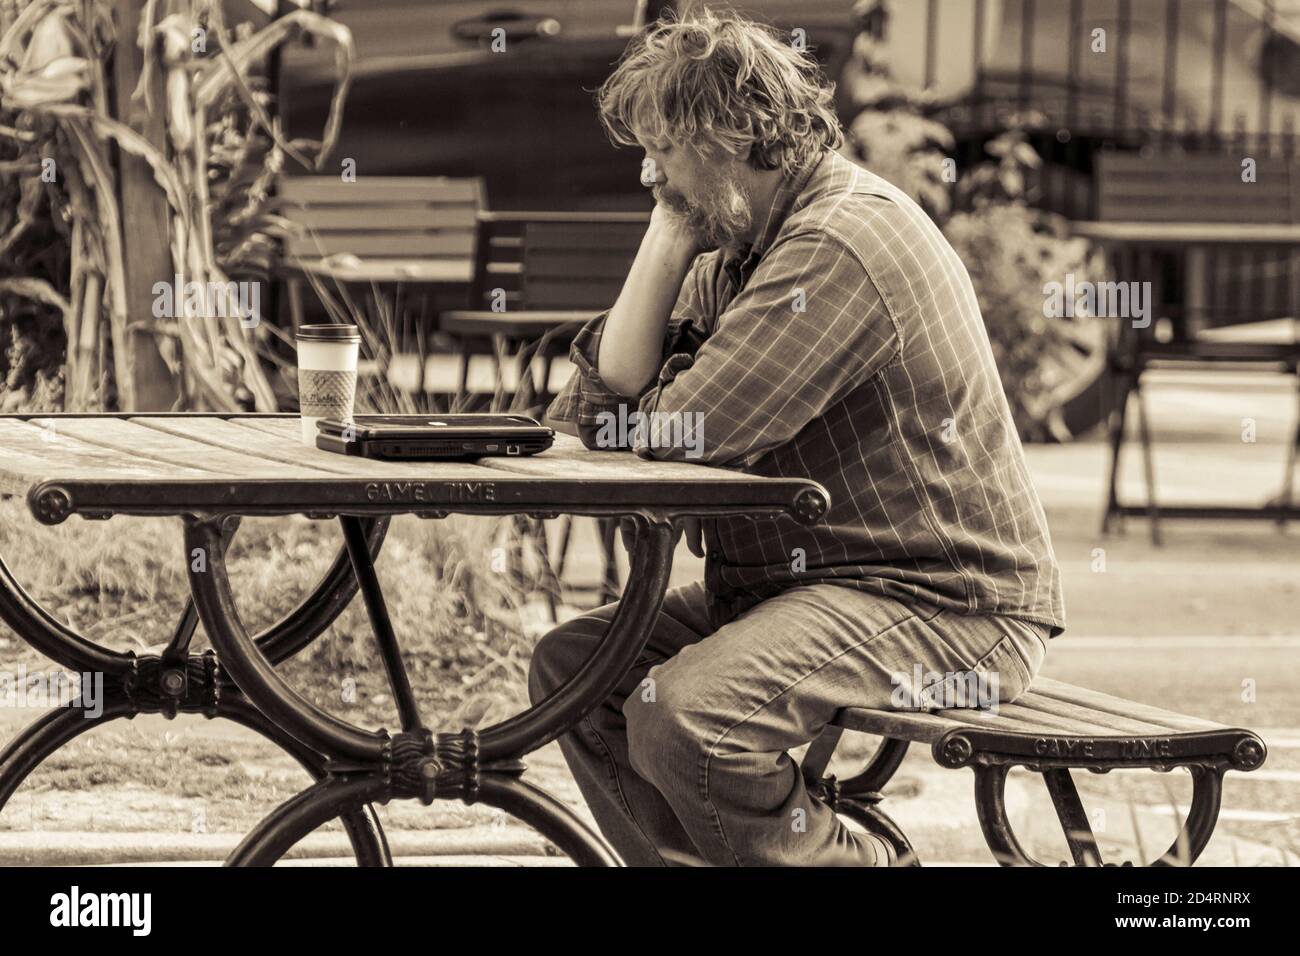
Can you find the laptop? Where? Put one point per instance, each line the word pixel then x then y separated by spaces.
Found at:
pixel 434 437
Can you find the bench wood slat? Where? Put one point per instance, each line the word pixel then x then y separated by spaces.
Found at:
pixel 1105 703
pixel 579 461
pixel 229 436
pixel 581 466
pixel 1088 713
pixel 448 245
pixel 1040 721
pixel 916 726
pixel 379 189
pixel 383 269
pixel 377 218
pixel 1051 708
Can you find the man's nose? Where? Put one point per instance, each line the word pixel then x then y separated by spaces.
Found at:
pixel 651 174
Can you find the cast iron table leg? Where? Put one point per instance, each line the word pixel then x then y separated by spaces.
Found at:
pixel 179 682
pixel 473 766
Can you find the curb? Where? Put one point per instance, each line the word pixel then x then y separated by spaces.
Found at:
pixel 71 848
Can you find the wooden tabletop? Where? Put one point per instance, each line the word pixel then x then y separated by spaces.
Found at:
pixel 99 465
pixel 1190 233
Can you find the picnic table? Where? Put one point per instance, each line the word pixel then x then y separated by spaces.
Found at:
pixel 210 471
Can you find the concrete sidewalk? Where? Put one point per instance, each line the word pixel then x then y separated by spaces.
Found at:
pixel 934 806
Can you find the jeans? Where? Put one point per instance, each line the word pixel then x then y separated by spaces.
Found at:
pixel 689 758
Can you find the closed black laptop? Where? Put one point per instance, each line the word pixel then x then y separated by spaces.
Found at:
pixel 434 437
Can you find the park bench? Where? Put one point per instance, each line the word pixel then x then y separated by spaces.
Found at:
pixel 1235 248
pixel 538 276
pixel 389 231
pixel 1051 729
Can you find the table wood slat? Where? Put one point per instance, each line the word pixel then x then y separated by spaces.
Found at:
pixel 286 434
pixel 567 458
pixel 582 462
pixel 275 444
pixel 32 453
pixel 23 468
pixel 225 434
pixel 134 441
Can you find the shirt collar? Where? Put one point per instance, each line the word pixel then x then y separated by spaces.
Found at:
pixel 747 256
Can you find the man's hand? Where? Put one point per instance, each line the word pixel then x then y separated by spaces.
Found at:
pixel 631 345
pixel 672 224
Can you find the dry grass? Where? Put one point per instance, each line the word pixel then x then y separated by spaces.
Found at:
pixel 460 622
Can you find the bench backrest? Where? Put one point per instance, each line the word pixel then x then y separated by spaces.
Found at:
pixel 1195 187
pixel 389 217
pixel 554 260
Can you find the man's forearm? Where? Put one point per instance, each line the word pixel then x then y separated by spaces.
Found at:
pixel 631 344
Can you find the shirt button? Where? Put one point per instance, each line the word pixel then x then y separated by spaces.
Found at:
pixel 714 556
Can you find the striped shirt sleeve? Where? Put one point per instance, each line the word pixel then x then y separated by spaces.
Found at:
pixel 808 328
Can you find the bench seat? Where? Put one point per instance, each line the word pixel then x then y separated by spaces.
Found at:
pixel 1051 729
pixel 1049 708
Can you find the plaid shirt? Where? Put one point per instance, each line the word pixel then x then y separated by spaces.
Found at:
pixel 845 346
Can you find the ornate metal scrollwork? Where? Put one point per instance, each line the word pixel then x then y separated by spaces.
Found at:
pixel 441 768
pixel 155 686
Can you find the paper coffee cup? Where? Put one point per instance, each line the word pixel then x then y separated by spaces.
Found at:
pixel 327 374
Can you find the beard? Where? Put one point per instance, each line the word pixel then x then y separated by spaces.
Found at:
pixel 717 219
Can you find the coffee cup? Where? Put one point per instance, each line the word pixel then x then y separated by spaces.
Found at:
pixel 327 374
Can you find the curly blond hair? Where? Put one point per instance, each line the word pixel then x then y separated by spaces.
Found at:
pixel 720 80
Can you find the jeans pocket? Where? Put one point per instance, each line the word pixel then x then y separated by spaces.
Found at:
pixel 1005 665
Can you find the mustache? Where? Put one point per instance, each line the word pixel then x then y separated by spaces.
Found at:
pixel 671 198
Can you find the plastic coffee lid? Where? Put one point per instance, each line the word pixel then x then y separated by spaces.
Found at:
pixel 328 333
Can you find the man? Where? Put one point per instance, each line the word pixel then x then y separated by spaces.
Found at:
pixel 811 321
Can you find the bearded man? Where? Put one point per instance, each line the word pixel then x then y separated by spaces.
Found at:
pixel 815 323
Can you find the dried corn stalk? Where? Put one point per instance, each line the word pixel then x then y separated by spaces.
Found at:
pixel 53 57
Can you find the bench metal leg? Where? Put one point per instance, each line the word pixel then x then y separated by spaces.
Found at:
pixel 1074 821
pixel 1202 815
pixel 990 806
pixel 819 754
pixel 876 821
pixel 991 809
pixel 888 758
